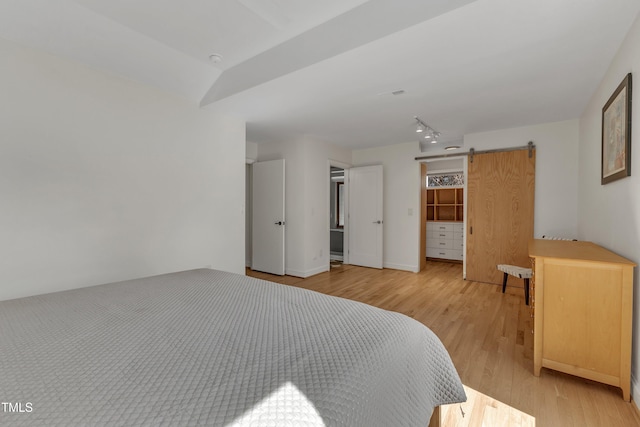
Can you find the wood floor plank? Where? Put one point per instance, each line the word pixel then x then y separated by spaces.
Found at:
pixel 488 335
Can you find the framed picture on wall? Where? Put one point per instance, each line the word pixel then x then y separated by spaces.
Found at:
pixel 616 134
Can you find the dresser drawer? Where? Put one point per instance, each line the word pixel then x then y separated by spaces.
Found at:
pixel 454 254
pixel 441 244
pixel 457 254
pixel 439 253
pixel 439 226
pixel 458 235
pixel 458 227
pixel 440 235
pixel 458 244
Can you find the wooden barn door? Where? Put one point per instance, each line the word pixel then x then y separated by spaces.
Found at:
pixel 500 201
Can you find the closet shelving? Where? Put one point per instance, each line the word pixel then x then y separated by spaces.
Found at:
pixel 445 204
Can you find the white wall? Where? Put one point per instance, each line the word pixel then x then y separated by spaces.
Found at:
pixel 556 184
pixel 609 215
pixel 103 179
pixel 446 165
pixel 306 200
pixel 252 152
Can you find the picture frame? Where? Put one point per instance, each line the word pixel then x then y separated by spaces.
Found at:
pixel 616 134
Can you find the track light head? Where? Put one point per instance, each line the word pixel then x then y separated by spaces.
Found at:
pixel 429 133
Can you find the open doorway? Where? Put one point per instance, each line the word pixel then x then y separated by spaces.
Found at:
pixel 443 210
pixel 337 218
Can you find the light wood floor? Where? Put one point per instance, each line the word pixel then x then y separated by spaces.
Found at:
pixel 488 335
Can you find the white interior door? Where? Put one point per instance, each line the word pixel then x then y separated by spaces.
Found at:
pixel 365 216
pixel 268 221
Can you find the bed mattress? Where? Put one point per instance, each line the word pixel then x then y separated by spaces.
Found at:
pixel 205 347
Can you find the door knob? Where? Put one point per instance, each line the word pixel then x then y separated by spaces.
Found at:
pixel 377 222
pixel 280 223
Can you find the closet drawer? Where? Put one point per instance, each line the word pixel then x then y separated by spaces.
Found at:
pixel 458 227
pixel 441 244
pixel 458 235
pixel 457 254
pixel 439 253
pixel 445 253
pixel 442 226
pixel 440 235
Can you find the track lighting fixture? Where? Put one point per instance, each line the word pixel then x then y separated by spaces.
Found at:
pixel 429 133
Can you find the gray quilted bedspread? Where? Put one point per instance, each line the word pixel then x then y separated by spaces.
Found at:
pixel 205 347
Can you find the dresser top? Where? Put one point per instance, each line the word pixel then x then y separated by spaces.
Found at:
pixel 584 251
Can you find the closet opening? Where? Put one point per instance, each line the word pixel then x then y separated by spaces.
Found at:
pixel 443 198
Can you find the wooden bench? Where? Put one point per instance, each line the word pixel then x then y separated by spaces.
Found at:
pixel 519 272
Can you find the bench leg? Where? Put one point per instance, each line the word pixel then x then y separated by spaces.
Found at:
pixel 526 291
pixel 504 282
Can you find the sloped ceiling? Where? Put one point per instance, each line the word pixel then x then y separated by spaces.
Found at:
pixel 329 68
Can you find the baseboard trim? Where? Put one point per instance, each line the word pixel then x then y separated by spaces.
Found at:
pixel 404 267
pixel 294 273
pixel 308 273
pixel 317 270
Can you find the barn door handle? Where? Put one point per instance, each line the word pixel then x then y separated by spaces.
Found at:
pixel 470 230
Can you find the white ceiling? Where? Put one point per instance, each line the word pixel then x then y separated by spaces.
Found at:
pixel 327 69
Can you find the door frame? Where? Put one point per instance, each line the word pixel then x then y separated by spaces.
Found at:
pixel 422 241
pixel 422 230
pixel 345 243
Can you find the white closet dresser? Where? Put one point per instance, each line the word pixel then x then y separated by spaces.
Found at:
pixel 445 240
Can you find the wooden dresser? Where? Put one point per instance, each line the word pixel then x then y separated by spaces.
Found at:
pixel 582 301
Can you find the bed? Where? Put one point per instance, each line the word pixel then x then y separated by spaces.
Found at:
pixel 206 347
